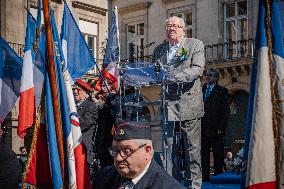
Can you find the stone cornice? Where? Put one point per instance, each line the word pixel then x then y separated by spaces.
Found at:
pixel 90 8
pixel 170 1
pixel 229 64
pixel 134 7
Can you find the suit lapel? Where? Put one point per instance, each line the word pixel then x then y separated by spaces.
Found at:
pixel 81 106
pixel 164 53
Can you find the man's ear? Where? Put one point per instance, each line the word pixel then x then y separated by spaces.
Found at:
pixel 149 149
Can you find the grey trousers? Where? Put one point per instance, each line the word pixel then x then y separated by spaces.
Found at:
pixel 183 146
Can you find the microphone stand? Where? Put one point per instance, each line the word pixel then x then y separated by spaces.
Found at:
pixel 164 122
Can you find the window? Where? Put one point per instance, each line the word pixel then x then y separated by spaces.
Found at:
pixel 236 28
pixel 33 11
pixel 90 34
pixel 135 41
pixel 187 17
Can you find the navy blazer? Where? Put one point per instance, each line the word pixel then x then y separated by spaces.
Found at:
pixel 154 178
pixel 217 111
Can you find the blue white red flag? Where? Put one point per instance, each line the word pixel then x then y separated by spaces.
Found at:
pixel 77 162
pixel 112 53
pixel 10 78
pixel 77 55
pixel 32 74
pixel 260 146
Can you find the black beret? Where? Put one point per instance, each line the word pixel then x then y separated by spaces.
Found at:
pixel 127 130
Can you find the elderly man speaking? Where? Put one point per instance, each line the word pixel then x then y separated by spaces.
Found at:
pixel 184 59
pixel 134 166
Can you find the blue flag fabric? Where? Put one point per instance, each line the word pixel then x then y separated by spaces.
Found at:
pixel 112 54
pixel 38 52
pixel 10 78
pixel 281 11
pixel 51 138
pixel 77 55
pixel 59 58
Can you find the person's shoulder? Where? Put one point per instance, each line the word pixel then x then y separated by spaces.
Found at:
pixel 222 88
pixel 161 46
pixel 168 181
pixel 88 103
pixel 105 175
pixel 195 43
pixel 194 40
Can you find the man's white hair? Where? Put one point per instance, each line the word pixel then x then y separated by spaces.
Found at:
pixel 144 141
pixel 181 21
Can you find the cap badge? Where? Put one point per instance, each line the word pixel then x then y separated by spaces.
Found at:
pixel 121 132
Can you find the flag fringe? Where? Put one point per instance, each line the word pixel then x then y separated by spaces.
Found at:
pixel 275 117
pixel 33 146
pixel 28 186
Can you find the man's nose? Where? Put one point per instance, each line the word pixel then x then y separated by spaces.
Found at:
pixel 118 157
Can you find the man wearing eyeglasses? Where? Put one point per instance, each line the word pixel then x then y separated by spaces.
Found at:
pixel 184 59
pixel 134 166
pixel 213 123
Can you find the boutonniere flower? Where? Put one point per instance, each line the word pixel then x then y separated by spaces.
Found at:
pixel 182 54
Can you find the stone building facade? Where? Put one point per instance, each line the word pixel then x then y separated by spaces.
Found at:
pixel 92 18
pixel 227 28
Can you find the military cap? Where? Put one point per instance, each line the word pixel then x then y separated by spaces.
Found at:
pixel 127 130
pixel 84 85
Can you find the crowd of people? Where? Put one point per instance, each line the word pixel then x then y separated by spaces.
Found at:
pixel 120 151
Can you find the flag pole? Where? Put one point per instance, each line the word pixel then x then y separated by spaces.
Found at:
pixel 54 92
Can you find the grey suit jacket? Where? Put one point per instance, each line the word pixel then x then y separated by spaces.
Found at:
pixel 188 104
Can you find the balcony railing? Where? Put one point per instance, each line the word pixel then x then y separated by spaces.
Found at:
pixel 231 51
pixel 18 48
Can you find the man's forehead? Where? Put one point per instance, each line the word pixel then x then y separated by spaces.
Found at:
pixel 173 20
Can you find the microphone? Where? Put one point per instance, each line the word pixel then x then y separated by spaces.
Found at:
pixel 150 44
pixel 146 46
pixel 157 67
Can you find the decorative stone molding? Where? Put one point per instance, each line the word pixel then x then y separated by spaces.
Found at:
pixel 170 1
pixel 90 8
pixel 134 7
pixel 233 74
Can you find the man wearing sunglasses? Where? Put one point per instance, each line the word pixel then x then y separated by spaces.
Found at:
pixel 134 166
pixel 213 124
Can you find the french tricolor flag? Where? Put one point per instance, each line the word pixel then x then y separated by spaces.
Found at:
pixel 266 84
pixel 112 53
pixel 77 55
pixel 79 60
pixel 27 91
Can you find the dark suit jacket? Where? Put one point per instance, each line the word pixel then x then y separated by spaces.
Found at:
pixel 88 114
pixel 154 178
pixel 217 111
